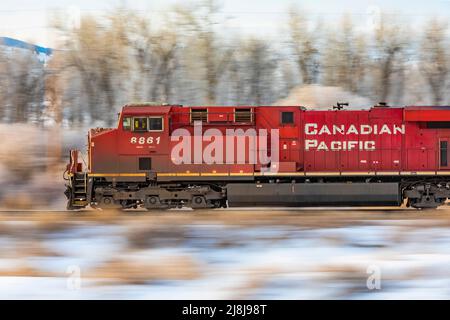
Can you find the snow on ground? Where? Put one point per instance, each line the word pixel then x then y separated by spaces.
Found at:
pixel 228 254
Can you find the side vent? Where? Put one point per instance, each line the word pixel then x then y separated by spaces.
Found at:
pixel 199 115
pixel 243 115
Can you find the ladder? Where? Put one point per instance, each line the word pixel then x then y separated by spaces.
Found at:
pixel 79 189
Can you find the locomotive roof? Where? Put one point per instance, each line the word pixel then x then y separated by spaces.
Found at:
pixel 164 108
pixel 145 109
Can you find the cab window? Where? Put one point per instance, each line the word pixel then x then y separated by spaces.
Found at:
pixel 126 124
pixel 140 124
pixel 156 124
pixel 287 117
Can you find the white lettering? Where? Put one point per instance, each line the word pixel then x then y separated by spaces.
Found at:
pixel 308 129
pixel 385 129
pixel 366 129
pixel 310 144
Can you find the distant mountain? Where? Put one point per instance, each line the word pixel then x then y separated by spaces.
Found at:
pixel 10 42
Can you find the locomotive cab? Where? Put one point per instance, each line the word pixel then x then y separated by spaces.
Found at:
pixel 142 139
pixel 130 153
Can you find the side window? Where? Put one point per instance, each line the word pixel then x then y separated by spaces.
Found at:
pixel 156 124
pixel 126 124
pixel 287 117
pixel 140 124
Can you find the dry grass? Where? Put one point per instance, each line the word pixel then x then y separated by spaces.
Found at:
pixel 256 279
pixel 25 270
pixel 18 201
pixel 155 236
pixel 141 272
pixel 33 248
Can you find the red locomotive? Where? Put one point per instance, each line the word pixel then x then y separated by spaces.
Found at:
pixel 165 156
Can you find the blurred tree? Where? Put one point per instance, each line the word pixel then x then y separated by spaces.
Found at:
pixel 99 56
pixel 304 45
pixel 434 60
pixel 200 21
pixel 186 57
pixel 391 40
pixel 25 87
pixel 260 66
pixel 236 82
pixel 3 86
pixel 155 54
pixel 344 61
pixel 54 86
pixel 165 43
pixel 288 76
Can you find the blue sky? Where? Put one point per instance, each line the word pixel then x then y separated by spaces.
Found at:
pixel 28 19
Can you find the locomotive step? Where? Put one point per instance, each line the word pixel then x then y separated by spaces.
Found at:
pixel 80 204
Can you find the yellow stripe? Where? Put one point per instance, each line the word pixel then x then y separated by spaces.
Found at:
pixel 283 174
pixel 213 174
pixel 418 173
pixel 388 173
pixel 269 173
pixel 426 173
pixel 343 173
pixel 358 173
pixel 166 174
pixel 188 174
pixel 312 174
pixel 117 174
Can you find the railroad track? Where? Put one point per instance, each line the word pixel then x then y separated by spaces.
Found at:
pixel 237 216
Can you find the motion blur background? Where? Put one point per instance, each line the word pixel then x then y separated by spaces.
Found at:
pixel 66 67
pixel 219 52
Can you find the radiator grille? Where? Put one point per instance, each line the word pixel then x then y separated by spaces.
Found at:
pixel 199 115
pixel 243 115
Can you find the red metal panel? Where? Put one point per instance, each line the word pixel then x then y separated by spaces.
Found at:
pixel 220 114
pixel 104 156
pixel 387 154
pixel 401 141
pixel 427 114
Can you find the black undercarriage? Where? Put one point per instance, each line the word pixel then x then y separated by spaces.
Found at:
pixel 419 192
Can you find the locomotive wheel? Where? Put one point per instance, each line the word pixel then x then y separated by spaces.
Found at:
pixel 198 202
pixel 152 202
pixel 108 202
